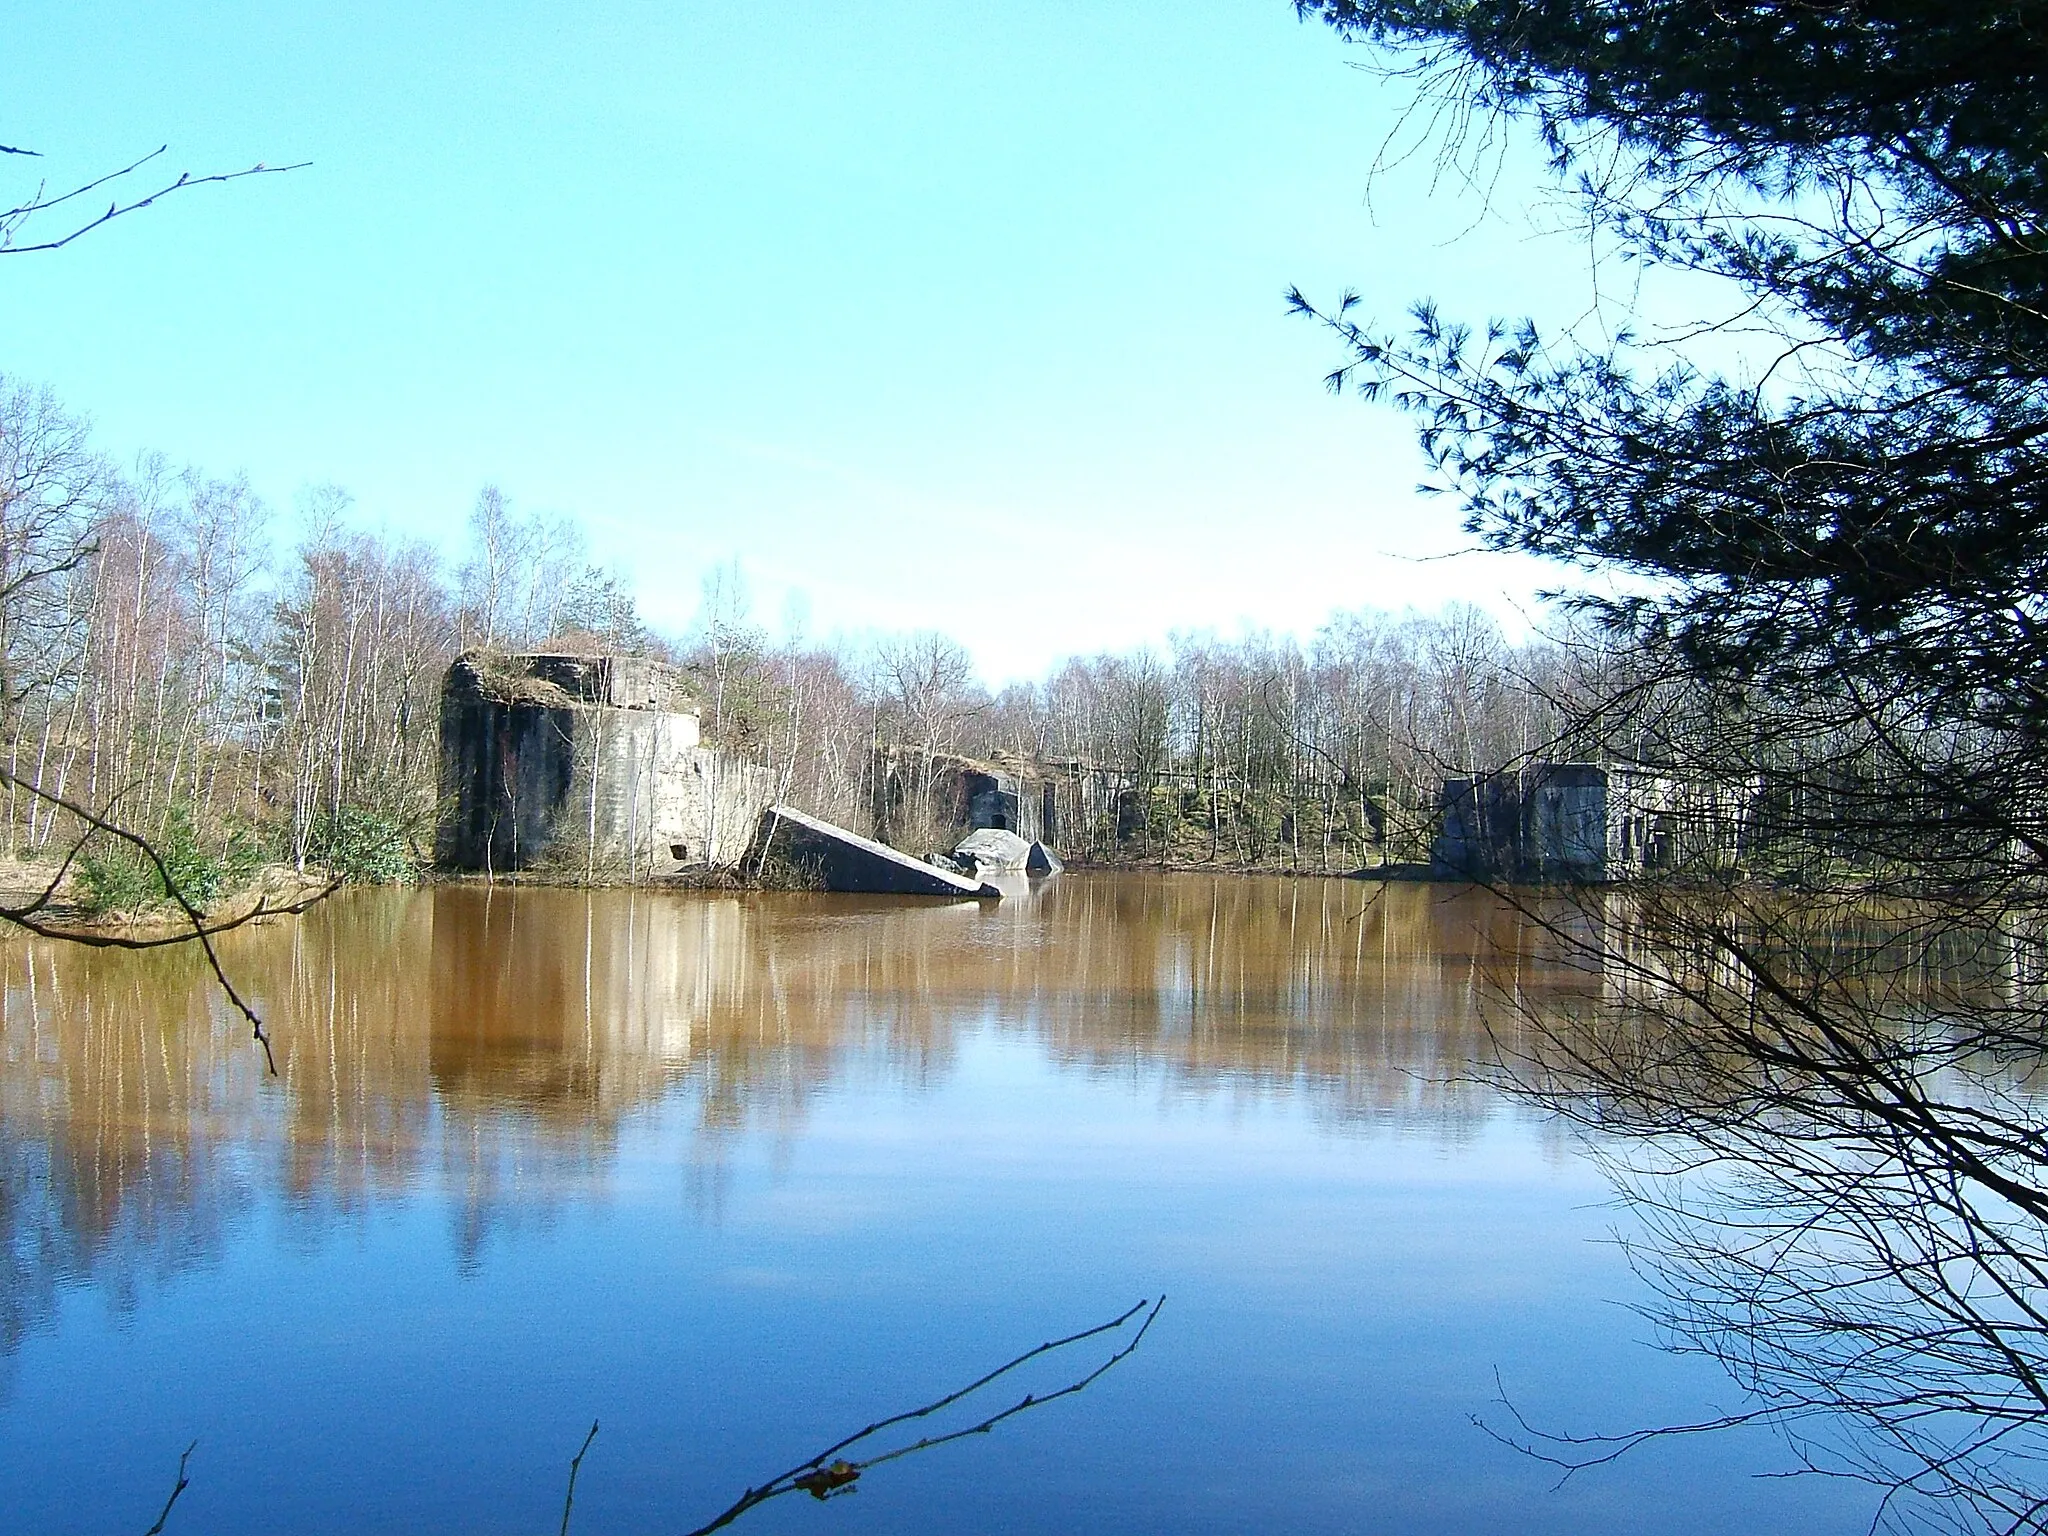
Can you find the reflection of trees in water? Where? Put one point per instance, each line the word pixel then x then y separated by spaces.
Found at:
pixel 491 1044
pixel 1830 1120
pixel 1372 1000
pixel 106 1170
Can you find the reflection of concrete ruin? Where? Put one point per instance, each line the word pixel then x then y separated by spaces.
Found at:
pixel 1584 822
pixel 494 1043
pixel 497 1043
pixel 586 764
pixel 1670 948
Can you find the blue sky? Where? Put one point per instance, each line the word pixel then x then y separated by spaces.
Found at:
pixel 951 315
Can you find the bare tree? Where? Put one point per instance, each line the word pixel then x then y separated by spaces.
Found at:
pixel 52 486
pixel 500 546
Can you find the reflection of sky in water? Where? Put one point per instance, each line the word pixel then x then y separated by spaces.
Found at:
pixel 735 1176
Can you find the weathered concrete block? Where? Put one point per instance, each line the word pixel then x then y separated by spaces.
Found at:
pixel 1041 861
pixel 1584 822
pixel 993 849
pixel 540 769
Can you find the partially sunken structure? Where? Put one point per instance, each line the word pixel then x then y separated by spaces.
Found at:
pixel 992 850
pixel 589 764
pixel 1582 822
pixel 840 860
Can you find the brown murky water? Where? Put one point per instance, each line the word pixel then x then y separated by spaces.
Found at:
pixel 733 1173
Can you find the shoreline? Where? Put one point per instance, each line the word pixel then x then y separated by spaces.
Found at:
pixel 278 890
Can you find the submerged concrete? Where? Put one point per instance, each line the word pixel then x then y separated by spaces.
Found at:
pixel 991 848
pixel 846 861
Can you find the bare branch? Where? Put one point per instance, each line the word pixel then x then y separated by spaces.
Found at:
pixel 14 218
pixel 177 1488
pixel 1573 1454
pixel 575 1466
pixel 828 1473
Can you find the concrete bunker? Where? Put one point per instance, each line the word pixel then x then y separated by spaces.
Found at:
pixel 589 764
pixel 1588 822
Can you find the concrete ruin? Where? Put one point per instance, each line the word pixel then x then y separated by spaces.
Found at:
pixel 1583 822
pixel 585 764
pixel 992 848
pixel 840 860
pixel 1055 803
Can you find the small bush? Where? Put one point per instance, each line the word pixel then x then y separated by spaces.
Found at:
pixel 360 844
pixel 119 877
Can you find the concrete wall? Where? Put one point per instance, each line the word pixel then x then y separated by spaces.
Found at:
pixel 1547 821
pixel 506 771
pixel 658 797
pixel 535 773
pixel 623 682
pixel 1565 815
pixel 1060 804
pixel 1584 822
pixel 1479 826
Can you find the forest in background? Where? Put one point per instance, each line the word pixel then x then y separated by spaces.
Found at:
pixel 248 687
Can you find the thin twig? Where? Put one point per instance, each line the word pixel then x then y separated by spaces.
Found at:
pixel 575 1466
pixel 1027 1401
pixel 826 1473
pixel 1572 1454
pixel 181 1485
pixel 13 217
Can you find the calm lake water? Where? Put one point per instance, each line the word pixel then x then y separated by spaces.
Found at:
pixel 736 1175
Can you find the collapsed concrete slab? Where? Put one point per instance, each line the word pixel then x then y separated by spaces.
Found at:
pixel 991 848
pixel 1041 860
pixel 846 861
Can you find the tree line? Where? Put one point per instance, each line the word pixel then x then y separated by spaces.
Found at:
pixel 1259 750
pixel 248 686
pixel 241 687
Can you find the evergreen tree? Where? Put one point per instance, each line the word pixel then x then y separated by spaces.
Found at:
pixel 1873 506
pixel 1847 553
